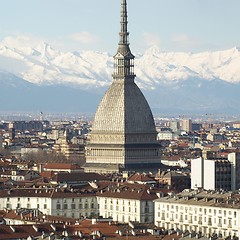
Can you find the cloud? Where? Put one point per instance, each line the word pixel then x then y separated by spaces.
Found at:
pixel 84 37
pixel 151 39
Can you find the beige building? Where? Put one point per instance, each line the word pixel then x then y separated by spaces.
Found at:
pixel 186 125
pixel 72 152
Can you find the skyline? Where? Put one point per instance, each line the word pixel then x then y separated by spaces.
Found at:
pixel 76 25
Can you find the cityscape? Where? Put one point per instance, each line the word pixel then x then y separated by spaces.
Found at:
pixel 127 169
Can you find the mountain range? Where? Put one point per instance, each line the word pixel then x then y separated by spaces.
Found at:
pixel 39 78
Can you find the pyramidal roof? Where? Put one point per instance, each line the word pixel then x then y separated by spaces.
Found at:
pixel 123 108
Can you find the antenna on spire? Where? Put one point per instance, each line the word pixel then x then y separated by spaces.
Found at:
pixel 124 33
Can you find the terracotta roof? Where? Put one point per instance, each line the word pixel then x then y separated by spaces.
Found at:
pixel 63 166
pixel 22 231
pixel 137 177
pixel 34 215
pixel 84 229
pixel 47 174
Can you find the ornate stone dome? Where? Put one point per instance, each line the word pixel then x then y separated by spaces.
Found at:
pixel 123 109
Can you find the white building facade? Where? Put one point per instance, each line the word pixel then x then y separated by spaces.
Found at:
pixel 132 202
pixel 51 202
pixel 206 213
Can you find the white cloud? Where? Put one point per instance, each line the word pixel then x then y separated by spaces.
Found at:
pixel 151 39
pixel 85 37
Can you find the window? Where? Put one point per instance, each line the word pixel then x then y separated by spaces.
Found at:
pixel 58 206
pixel 73 206
pixel 45 206
pixel 65 206
pixel 80 206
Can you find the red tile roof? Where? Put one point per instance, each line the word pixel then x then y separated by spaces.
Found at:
pixel 137 177
pixel 52 166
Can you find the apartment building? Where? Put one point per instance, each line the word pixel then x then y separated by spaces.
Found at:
pixel 127 202
pixel 205 213
pixel 216 174
pixel 56 202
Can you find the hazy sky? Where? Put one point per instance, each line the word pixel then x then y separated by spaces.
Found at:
pixel 173 25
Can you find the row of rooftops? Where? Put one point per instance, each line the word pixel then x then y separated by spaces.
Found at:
pixel 106 189
pixel 40 225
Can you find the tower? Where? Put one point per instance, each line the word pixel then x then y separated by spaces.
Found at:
pixel 123 134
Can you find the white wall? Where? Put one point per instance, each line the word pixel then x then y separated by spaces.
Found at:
pixel 197 173
pixel 209 175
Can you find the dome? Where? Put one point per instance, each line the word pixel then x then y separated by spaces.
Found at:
pixel 123 109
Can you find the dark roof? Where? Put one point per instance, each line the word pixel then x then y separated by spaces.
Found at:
pixel 128 191
pixel 78 177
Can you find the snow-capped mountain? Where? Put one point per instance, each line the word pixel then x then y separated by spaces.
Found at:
pixel 175 81
pixel 42 65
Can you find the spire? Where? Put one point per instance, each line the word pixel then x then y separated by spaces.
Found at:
pixel 124 59
pixel 124 33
